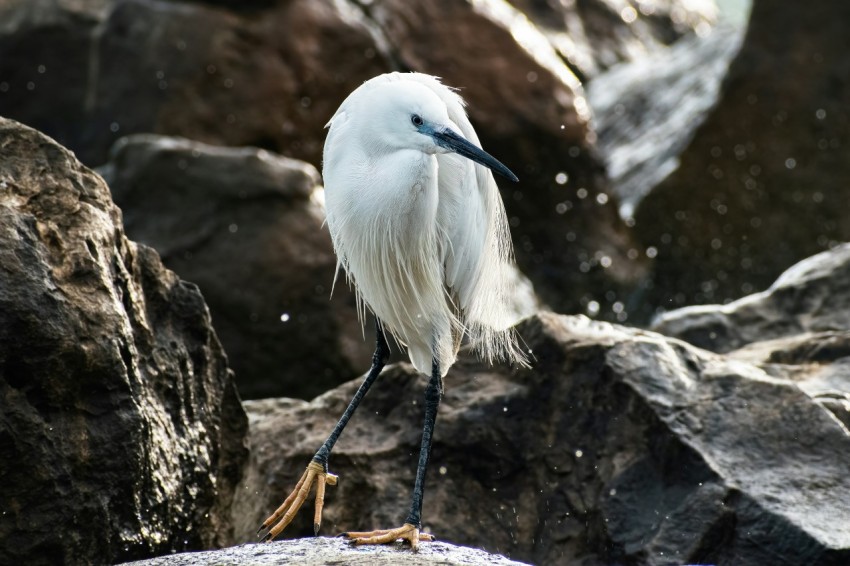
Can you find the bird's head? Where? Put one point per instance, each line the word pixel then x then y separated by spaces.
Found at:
pixel 409 115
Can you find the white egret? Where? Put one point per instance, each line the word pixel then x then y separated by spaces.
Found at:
pixel 420 229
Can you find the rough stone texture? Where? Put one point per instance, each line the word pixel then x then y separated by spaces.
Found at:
pixel 245 225
pixel 595 35
pixel 761 186
pixel 322 551
pixel 810 297
pixel 121 433
pixel 618 447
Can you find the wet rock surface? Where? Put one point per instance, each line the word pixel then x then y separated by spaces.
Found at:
pixel 122 432
pixel 246 226
pixel 620 446
pixel 322 550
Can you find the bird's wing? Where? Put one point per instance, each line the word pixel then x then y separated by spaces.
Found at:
pixel 477 248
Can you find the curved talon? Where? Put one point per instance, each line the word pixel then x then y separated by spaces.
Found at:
pixel 284 514
pixel 406 532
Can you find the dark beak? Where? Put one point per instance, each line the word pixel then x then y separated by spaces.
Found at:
pixel 453 141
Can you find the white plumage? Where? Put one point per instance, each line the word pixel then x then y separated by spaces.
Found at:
pixel 419 228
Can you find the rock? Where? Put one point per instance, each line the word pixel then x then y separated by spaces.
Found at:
pixel 246 226
pixel 800 325
pixel 618 446
pixel 122 433
pixel 230 73
pixel 597 35
pixel 810 297
pixel 320 551
pixel 756 189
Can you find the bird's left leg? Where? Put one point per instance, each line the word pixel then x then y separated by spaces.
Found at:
pixel 410 530
pixel 317 469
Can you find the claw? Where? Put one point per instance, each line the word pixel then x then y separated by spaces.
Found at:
pixel 406 532
pixel 284 514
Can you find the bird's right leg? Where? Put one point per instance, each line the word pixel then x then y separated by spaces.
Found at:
pixel 317 469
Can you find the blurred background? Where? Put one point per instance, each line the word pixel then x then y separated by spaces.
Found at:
pixel 670 152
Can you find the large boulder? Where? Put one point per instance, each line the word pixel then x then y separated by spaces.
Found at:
pixel 761 186
pixel 619 446
pixel 122 435
pixel 246 226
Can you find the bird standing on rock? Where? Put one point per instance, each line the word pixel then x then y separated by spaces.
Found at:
pixel 419 226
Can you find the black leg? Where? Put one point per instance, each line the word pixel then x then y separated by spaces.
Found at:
pixel 379 359
pixel 433 394
pixel 317 470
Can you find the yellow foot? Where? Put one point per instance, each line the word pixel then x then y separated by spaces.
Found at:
pixel 280 519
pixel 406 532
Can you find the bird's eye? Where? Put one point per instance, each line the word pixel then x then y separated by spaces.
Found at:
pixel 417 120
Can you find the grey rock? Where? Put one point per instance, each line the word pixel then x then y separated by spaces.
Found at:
pixel 618 446
pixel 122 434
pixel 320 551
pixel 812 296
pixel 246 226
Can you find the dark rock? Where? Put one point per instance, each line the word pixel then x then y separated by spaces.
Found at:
pixel 618 447
pixel 122 435
pixel 812 296
pixel 321 551
pixel 758 187
pixel 245 225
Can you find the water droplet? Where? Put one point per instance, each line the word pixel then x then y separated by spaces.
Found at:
pixel 443 470
pixel 579 453
pixel 284 317
pixel 233 228
pixel 628 14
